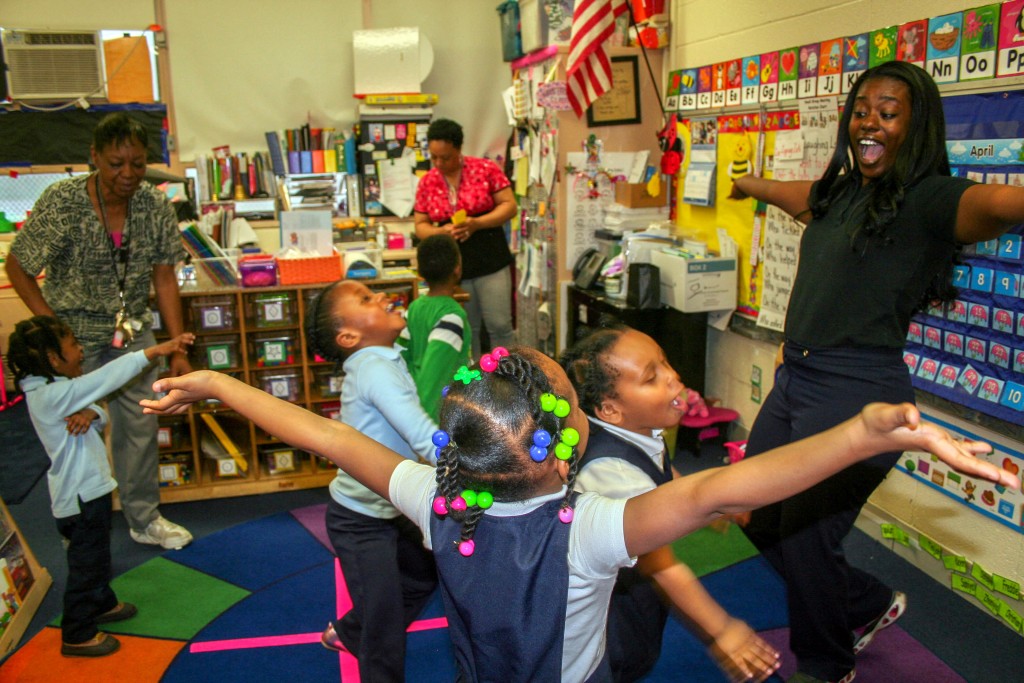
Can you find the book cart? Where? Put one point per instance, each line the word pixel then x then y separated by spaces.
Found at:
pixel 256 335
pixel 23 583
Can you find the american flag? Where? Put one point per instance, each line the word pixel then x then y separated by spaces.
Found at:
pixel 589 74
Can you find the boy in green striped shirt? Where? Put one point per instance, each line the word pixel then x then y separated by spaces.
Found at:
pixel 436 340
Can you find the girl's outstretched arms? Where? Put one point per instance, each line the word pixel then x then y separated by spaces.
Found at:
pixel 369 462
pixel 687 503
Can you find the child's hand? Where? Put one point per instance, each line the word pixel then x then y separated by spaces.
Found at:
pixel 899 428
pixel 742 654
pixel 181 393
pixel 80 422
pixel 177 344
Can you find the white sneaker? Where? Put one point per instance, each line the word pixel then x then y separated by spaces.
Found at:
pixel 163 533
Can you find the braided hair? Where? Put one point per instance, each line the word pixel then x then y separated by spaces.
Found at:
pixel 322 325
pixel 30 345
pixel 588 369
pixel 491 424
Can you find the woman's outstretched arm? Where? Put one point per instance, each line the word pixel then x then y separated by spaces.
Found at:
pixel 792 196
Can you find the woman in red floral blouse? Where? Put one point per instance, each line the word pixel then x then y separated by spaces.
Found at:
pixel 471 199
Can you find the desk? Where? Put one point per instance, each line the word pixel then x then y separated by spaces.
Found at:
pixel 683 336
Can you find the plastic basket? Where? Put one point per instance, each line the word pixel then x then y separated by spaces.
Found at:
pixel 311 270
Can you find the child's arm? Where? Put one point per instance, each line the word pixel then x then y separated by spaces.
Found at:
pixel 741 653
pixel 178 344
pixel 80 422
pixel 674 509
pixel 366 460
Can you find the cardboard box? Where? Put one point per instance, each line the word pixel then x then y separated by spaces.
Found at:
pixel 693 285
pixel 635 195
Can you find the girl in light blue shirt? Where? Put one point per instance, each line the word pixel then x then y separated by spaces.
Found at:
pixel 47 362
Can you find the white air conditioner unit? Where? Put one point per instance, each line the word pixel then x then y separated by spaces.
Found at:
pixel 54 65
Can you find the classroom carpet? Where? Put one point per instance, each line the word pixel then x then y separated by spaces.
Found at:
pixel 249 603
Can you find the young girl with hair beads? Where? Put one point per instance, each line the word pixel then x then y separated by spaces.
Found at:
pixel 526 566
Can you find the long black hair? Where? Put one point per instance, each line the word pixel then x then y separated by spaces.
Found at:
pixel 922 154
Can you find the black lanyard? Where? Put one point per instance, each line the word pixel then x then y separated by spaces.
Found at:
pixel 117 254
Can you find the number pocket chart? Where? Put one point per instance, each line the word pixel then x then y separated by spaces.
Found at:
pixel 971 350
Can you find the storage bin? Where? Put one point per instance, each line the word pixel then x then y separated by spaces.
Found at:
pixel 327 382
pixel 217 352
pixel 331 410
pixel 274 348
pixel 174 471
pixel 284 384
pixel 210 313
pixel 309 270
pixel 280 459
pixel 259 270
pixel 273 309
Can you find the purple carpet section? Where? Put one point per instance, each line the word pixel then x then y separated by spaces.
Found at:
pixel 312 518
pixel 892 656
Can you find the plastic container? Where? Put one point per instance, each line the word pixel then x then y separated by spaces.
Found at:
pixel 211 313
pixel 327 382
pixel 218 352
pixel 280 459
pixel 273 309
pixel 331 409
pixel 304 271
pixel 257 270
pixel 274 348
pixel 284 384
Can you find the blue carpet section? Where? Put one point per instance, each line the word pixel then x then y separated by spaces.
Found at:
pixel 257 553
pixel 24 459
pixel 749 590
pixel 291 576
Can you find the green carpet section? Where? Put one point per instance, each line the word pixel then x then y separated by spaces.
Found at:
pixel 707 550
pixel 167 613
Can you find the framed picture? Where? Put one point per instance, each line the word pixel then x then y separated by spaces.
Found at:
pixel 620 105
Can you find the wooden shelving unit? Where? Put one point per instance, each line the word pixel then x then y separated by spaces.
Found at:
pixel 23 583
pixel 256 335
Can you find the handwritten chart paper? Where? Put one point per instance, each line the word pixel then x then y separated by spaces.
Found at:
pixel 781 256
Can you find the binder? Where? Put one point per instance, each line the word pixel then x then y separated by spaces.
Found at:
pixel 330 161
pixel 276 157
pixel 318 160
pixel 305 161
pixel 293 162
pixel 225 441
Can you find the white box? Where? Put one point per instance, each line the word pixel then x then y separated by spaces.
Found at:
pixel 693 285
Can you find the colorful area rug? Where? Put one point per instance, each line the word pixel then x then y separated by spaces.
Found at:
pixel 249 603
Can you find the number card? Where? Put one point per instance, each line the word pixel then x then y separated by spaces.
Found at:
pixel 976 349
pixel 1002 320
pixel 981 279
pixel 912 360
pixel 932 337
pixel 1009 247
pixel 929 368
pixel 1007 284
pixel 991 389
pixel 957 311
pixel 962 277
pixel 969 380
pixel 914 332
pixel 999 354
pixel 953 343
pixel 947 375
pixel 1013 396
pixel 978 315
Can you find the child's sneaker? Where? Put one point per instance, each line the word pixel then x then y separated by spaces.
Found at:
pixel 895 610
pixel 163 533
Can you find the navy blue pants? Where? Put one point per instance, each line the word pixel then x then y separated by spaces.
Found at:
pixel 390 577
pixel 88 593
pixel 802 536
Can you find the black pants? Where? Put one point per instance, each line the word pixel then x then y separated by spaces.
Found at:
pixel 802 536
pixel 390 577
pixel 88 593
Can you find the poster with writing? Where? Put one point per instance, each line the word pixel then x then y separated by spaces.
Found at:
pixel 585 198
pixel 819 124
pixel 781 257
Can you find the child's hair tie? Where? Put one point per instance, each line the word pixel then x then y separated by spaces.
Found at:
pixel 465 375
pixel 489 361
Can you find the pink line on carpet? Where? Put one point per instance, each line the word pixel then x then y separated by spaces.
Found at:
pixel 343 603
pixel 349 664
pixel 249 643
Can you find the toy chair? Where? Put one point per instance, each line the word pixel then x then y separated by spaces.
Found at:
pixel 703 425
